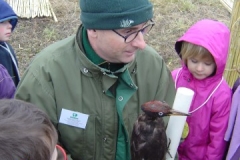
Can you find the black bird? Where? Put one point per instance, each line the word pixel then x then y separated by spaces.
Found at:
pixel 149 139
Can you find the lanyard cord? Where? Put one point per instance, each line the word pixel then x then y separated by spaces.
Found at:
pixel 177 77
pixel 208 96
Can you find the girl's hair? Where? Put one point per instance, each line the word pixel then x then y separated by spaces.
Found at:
pixel 189 50
pixel 26 132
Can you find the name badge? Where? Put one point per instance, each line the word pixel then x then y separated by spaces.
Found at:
pixel 75 119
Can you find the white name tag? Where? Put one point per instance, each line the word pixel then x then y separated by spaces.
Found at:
pixel 72 118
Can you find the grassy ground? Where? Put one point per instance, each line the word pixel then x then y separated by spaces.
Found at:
pixel 172 18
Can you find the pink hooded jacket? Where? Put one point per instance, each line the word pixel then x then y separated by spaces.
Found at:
pixel 212 99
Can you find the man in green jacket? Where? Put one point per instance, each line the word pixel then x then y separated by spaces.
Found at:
pixel 93 84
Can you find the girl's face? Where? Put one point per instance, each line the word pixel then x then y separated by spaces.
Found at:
pixel 201 68
pixel 5 31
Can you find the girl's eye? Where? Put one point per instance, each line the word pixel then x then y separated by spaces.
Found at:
pixel 193 61
pixel 209 63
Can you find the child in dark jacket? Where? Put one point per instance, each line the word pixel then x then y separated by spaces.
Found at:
pixel 8 21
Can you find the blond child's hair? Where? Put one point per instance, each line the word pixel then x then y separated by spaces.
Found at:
pixel 189 50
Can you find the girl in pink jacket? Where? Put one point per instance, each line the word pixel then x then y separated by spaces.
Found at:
pixel 203 50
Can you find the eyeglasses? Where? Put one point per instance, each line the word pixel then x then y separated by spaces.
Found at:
pixel 129 38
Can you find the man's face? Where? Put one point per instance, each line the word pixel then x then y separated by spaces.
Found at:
pixel 5 31
pixel 113 48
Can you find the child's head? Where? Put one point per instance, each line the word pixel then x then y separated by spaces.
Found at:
pixel 26 133
pixel 8 20
pixel 206 41
pixel 198 59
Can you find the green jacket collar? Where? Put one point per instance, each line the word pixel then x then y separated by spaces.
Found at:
pixel 90 53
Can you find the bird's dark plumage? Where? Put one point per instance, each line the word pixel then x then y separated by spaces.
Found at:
pixel 149 139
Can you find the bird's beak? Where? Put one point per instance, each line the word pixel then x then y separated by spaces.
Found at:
pixel 173 112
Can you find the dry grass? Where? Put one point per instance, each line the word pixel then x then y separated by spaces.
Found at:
pixel 172 18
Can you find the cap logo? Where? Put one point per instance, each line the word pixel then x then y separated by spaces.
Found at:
pixel 126 23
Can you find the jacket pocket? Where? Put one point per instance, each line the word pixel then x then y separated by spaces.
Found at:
pixel 79 143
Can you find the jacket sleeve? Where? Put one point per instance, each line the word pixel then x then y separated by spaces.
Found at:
pixel 233 114
pixel 36 87
pixel 166 88
pixel 7 86
pixel 218 125
pixel 235 85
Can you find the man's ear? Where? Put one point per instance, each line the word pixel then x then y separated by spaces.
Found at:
pixel 92 33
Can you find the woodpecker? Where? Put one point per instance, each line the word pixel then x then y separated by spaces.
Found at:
pixel 149 139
